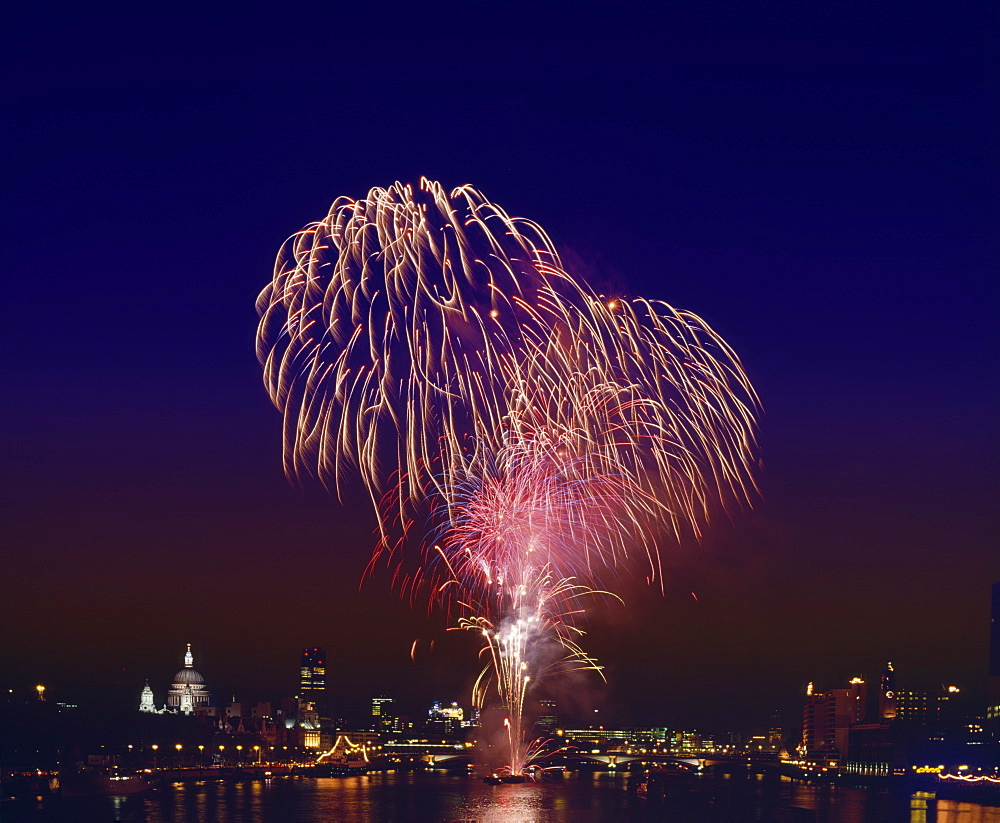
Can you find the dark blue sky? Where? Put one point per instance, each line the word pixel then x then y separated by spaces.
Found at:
pixel 817 183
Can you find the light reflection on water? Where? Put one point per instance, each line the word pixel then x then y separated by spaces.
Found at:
pixel 448 798
pixel 919 804
pixel 952 811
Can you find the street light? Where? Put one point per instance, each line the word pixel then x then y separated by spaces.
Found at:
pixel 239 751
pixel 257 749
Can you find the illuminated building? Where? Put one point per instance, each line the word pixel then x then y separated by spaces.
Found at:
pixel 300 722
pixel 187 700
pixel 934 715
pixel 453 712
pixel 909 720
pixel 919 708
pixel 691 743
pixel 993 694
pixel 439 712
pixel 648 737
pixel 826 721
pixel 472 721
pixel 146 700
pixel 887 695
pixel 312 675
pixel 445 719
pixel 775 734
pixel 871 751
pixel 548 718
pixel 383 713
pixel 859 692
pixel 655 741
pixel 597 735
pixel 188 691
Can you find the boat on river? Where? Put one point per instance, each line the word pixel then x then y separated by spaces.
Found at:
pixel 91 784
pixel 669 780
pixel 496 779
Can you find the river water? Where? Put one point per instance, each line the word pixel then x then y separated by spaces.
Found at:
pixel 437 797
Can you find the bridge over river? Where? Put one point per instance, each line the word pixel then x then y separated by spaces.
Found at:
pixel 446 757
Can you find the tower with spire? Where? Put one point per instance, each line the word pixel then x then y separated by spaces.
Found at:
pixel 887 695
pixel 187 700
pixel 146 701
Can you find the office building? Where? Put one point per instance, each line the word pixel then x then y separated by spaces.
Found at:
pixel 859 692
pixel 548 717
pixel 993 687
pixel 383 713
pixel 887 695
pixel 826 721
pixel 312 676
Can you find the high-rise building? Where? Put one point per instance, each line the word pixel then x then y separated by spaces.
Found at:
pixel 918 707
pixel 472 721
pixel 775 733
pixel 548 717
pixel 887 695
pixel 995 632
pixel 859 691
pixel 383 713
pixel 827 718
pixel 993 693
pixel 439 712
pixel 312 676
pixel 445 719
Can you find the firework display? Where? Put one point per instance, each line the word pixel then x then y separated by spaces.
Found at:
pixel 533 437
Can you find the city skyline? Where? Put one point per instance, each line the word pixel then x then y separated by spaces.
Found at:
pixel 354 704
pixel 816 189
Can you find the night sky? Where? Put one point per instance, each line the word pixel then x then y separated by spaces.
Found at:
pixel 815 183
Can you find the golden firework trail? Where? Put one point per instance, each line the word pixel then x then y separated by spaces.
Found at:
pixel 436 346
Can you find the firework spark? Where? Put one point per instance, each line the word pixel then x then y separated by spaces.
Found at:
pixel 437 347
